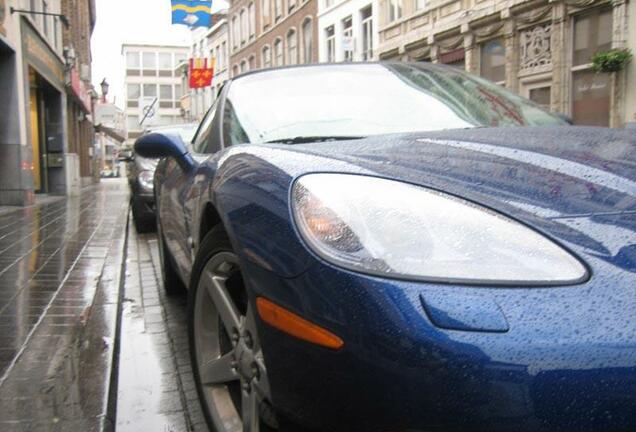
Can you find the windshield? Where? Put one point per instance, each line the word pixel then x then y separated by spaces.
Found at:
pixel 369 99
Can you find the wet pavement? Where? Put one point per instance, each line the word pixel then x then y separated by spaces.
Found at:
pixel 88 339
pixel 156 390
pixel 60 266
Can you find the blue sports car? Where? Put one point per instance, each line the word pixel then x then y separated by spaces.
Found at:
pixel 401 247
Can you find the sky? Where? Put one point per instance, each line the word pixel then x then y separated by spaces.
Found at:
pixel 131 21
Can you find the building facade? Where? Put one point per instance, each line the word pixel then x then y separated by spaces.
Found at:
pixel 35 72
pixel 266 33
pixel 81 165
pixel 153 87
pixel 538 48
pixel 347 30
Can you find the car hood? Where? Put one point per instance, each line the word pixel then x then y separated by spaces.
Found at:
pixel 549 172
pixel 576 184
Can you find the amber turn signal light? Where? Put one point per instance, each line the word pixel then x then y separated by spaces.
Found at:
pixel 292 324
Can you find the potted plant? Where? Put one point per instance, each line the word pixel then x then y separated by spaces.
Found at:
pixel 613 60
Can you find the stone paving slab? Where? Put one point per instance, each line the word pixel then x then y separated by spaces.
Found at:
pixel 155 386
pixel 60 277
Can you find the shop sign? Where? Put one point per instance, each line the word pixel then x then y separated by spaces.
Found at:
pixel 79 90
pixel 40 56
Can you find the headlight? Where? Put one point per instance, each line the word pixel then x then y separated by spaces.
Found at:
pixel 395 229
pixel 146 180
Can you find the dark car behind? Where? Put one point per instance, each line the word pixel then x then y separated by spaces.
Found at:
pixel 141 171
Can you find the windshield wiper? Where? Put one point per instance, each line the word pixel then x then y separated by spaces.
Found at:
pixel 310 139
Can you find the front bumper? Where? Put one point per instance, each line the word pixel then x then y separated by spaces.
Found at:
pixel 562 359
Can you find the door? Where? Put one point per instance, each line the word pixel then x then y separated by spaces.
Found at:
pixel 35 139
pixel 179 191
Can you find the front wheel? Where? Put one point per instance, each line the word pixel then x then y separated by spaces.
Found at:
pixel 227 359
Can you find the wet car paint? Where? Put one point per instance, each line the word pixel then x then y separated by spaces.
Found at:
pixel 568 358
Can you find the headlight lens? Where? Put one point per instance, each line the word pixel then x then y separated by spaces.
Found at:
pixel 146 180
pixel 391 228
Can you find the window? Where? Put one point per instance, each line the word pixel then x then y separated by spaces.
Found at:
pixel 205 141
pixel 235 70
pixel 177 92
pixel 265 11
pixel 235 32
pixel 179 58
pixel 420 5
pixel 328 3
pixel 347 38
pixel 541 96
pixel 45 19
pixel 291 4
pixel 150 90
pixel 165 92
pixel 244 26
pixel 243 66
pixel 132 122
pixel 133 92
pixel 149 60
pixel 395 10
pixel 252 16
pixel 592 33
pixel 278 52
pixel 233 132
pixel 307 41
pixel 331 44
pixel 278 9
pixel 132 60
pixel 493 61
pixel 367 33
pixel 591 92
pixel 292 47
pixel 267 57
pixel 251 62
pixel 224 54
pixel 165 61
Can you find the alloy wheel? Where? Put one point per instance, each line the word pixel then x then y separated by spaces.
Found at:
pixel 228 353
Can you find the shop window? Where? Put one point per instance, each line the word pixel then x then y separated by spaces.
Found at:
pixel 590 91
pixel 493 61
pixel 590 98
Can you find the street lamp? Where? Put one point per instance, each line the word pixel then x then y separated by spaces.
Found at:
pixel 105 87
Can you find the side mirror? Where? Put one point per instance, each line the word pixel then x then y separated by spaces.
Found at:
pixel 157 145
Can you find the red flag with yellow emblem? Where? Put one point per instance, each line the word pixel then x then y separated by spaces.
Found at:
pixel 201 72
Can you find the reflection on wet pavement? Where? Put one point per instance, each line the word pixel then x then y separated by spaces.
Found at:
pixel 155 387
pixel 60 266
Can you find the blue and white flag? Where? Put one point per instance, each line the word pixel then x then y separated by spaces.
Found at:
pixel 193 13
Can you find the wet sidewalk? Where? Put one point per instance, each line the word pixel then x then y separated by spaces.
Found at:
pixel 155 386
pixel 60 279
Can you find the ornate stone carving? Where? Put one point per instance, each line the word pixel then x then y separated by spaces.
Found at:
pixel 534 15
pixel 535 53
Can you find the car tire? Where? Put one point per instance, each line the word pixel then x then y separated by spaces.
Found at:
pixel 142 224
pixel 172 283
pixel 223 339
